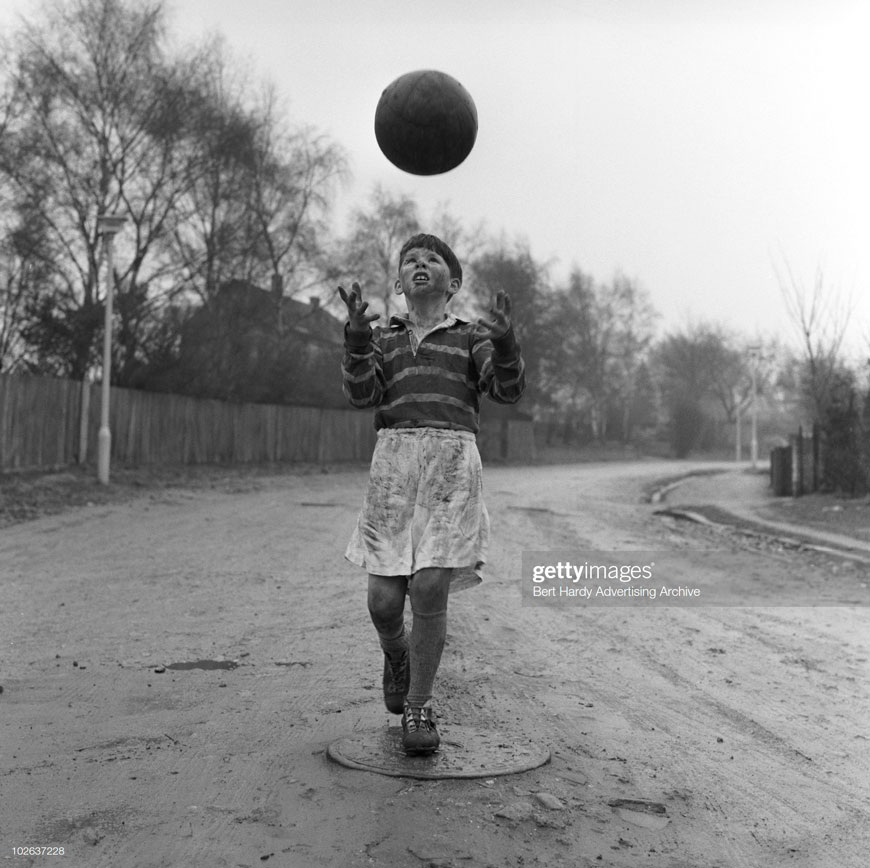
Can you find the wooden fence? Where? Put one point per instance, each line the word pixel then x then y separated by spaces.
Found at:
pixel 833 461
pixel 797 469
pixel 40 429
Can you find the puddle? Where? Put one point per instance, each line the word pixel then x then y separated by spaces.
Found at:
pixel 648 815
pixel 90 828
pixel 204 664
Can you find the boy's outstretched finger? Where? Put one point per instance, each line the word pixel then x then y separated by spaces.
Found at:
pixel 352 297
pixel 502 303
pixel 489 328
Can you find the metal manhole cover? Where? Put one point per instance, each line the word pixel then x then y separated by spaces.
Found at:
pixel 465 752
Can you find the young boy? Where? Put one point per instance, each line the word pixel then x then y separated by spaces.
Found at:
pixel 423 524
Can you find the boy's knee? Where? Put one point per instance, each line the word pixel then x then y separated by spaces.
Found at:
pixel 429 590
pixel 382 610
pixel 386 599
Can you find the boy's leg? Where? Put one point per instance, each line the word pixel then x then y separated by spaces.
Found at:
pixel 386 603
pixel 429 589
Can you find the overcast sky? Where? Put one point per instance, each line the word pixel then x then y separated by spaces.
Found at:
pixel 692 145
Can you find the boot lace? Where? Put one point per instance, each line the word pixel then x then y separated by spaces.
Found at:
pixel 418 719
pixel 398 670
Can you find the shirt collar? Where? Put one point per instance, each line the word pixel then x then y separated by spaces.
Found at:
pixel 398 320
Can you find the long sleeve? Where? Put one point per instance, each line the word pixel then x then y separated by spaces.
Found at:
pixel 502 370
pixel 362 372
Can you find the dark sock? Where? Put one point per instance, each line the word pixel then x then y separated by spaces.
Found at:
pixel 393 640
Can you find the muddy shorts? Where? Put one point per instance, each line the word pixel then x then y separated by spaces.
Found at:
pixel 423 506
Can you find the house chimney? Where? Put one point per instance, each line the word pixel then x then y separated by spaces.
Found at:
pixel 315 302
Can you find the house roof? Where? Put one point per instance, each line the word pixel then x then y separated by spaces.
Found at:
pixel 241 298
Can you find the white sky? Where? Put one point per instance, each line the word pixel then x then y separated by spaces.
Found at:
pixel 689 144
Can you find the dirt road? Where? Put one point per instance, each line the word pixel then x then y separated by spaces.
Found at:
pixel 732 736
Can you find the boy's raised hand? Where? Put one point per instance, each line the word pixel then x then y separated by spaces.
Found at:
pixel 359 322
pixel 498 324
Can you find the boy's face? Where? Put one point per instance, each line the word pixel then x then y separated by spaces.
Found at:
pixel 423 274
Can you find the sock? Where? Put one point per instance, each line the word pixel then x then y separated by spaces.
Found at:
pixel 393 638
pixel 427 643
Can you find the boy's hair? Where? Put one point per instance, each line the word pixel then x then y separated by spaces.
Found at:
pixel 434 243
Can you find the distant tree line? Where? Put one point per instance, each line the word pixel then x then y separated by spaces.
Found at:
pixel 226 267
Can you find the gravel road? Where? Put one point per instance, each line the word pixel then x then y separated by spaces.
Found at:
pixel 175 668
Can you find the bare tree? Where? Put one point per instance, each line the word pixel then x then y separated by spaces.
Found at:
pixel 573 364
pixel 510 266
pixel 98 117
pixel 820 316
pixel 212 239
pixel 93 109
pixel 14 286
pixel 594 369
pixel 20 268
pixel 292 178
pixel 695 367
pixel 468 242
pixel 628 307
pixel 370 252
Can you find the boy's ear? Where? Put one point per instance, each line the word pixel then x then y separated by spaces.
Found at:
pixel 455 286
pixel 397 287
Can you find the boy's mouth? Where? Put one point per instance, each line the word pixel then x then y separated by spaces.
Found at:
pixel 421 278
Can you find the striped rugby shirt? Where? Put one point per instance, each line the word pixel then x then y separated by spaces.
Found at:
pixel 436 383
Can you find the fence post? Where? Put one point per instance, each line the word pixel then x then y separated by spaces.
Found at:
pixel 795 465
pixel 801 470
pixel 84 419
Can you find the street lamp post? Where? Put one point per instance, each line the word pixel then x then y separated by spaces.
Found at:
pixel 108 225
pixel 738 436
pixel 754 353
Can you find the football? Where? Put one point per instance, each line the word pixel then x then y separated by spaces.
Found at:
pixel 426 122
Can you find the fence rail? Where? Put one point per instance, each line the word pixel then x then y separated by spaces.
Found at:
pixel 40 429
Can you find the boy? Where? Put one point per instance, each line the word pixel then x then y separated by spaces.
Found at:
pixel 423 523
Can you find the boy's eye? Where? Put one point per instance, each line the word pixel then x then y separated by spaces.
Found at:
pixel 431 258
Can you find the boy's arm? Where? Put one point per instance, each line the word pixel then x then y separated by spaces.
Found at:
pixel 497 355
pixel 361 369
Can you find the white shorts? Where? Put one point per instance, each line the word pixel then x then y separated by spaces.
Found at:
pixel 423 506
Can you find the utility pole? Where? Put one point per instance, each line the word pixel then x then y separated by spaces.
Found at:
pixel 108 225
